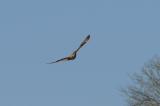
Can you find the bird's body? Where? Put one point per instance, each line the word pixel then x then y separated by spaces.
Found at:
pixel 73 55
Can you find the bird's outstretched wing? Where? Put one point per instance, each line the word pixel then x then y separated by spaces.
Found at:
pixel 83 43
pixel 73 55
pixel 63 59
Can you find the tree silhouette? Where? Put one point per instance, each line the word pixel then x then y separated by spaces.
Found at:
pixel 146 88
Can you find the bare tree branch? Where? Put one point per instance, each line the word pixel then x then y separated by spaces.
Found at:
pixel 146 91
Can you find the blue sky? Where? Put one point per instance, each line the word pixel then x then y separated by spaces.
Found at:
pixel 124 35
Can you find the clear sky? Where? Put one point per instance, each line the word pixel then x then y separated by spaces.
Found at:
pixel 124 35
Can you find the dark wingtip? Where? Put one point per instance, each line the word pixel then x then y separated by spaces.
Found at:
pixel 51 63
pixel 88 36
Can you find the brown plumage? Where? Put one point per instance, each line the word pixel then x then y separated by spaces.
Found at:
pixel 73 55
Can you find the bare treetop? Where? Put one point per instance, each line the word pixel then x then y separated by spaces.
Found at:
pixel 146 91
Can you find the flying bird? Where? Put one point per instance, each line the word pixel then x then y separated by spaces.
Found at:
pixel 72 56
